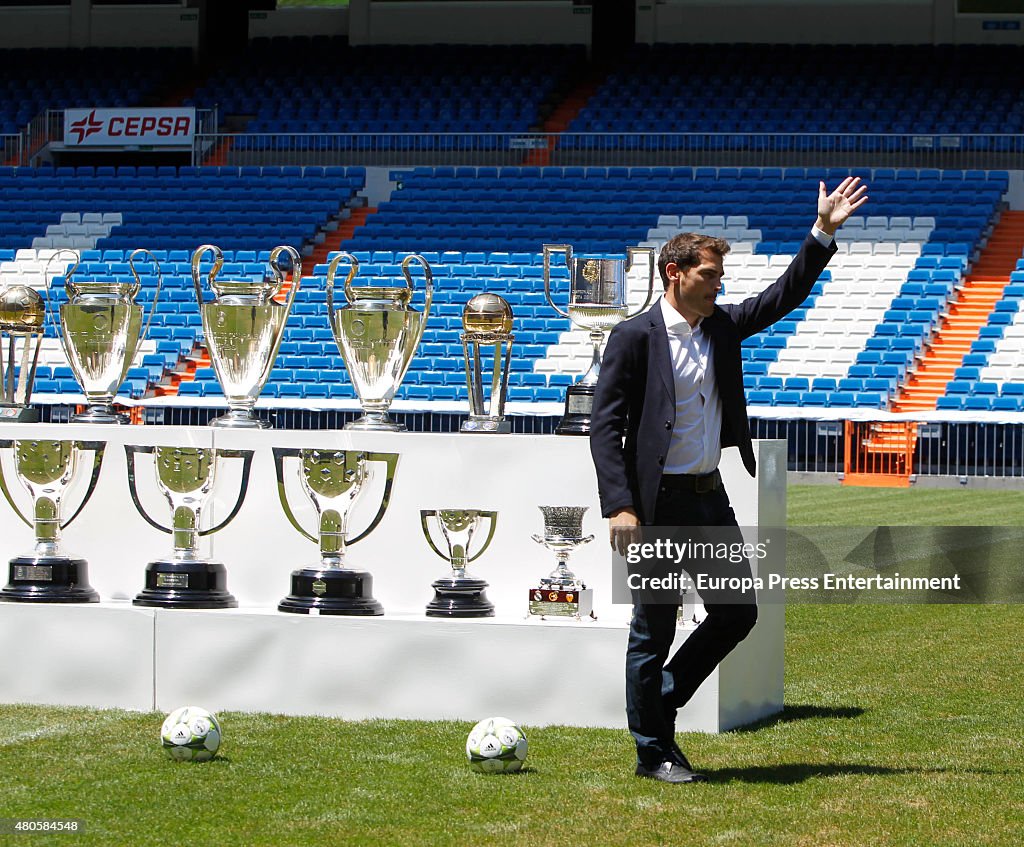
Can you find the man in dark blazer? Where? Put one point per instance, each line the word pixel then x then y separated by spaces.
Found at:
pixel 669 398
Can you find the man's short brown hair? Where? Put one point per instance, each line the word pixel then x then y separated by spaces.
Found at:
pixel 684 251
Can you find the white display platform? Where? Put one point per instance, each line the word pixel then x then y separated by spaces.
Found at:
pixel 401 665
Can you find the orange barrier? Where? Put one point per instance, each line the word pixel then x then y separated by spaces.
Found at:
pixel 879 455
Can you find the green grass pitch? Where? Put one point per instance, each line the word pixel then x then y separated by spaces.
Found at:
pixel 903 726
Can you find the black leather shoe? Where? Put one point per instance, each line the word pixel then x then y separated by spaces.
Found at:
pixel 670 772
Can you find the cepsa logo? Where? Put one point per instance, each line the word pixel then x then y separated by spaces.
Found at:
pixel 129 126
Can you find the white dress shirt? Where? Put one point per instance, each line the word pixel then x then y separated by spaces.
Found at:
pixel 696 444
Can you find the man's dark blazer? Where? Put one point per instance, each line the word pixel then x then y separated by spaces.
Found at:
pixel 635 397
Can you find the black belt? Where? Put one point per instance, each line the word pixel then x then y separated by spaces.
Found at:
pixel 697 483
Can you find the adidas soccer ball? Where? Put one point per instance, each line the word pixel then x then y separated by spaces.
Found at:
pixel 191 734
pixel 496 745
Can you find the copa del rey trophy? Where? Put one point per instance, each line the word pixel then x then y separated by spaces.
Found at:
pixel 562 593
pixel 243 327
pixel 458 594
pixel 22 319
pixel 487 324
pixel 186 477
pixel 597 302
pixel 377 333
pixel 332 480
pixel 47 469
pixel 101 329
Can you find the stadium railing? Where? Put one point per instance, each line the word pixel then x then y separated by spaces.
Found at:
pixel 614 148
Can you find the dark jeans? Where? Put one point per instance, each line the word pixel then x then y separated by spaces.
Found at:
pixel 656 687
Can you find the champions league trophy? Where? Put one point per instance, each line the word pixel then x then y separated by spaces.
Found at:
pixel 22 318
pixel 243 327
pixel 561 593
pixel 487 321
pixel 332 480
pixel 597 302
pixel 101 329
pixel 377 333
pixel 459 595
pixel 48 574
pixel 186 476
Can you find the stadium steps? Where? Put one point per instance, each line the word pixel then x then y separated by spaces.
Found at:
pixel 184 372
pixel 564 114
pixel 345 232
pixel 965 316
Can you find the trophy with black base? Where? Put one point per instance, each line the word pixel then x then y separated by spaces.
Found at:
pixel 47 469
pixel 561 593
pixel 332 480
pixel 186 476
pixel 459 595
pixel 597 303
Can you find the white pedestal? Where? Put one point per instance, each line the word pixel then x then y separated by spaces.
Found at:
pixel 401 665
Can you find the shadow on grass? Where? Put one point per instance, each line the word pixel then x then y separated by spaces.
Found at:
pixel 801 712
pixel 800 772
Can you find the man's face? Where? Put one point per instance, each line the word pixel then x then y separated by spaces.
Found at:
pixel 692 291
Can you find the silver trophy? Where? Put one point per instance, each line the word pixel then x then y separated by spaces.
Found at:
pixel 243 327
pixel 332 480
pixel 487 323
pixel 597 302
pixel 377 333
pixel 22 327
pixel 186 477
pixel 46 469
pixel 562 593
pixel 459 595
pixel 101 329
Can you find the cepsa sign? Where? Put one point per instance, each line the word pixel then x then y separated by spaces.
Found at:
pixel 129 127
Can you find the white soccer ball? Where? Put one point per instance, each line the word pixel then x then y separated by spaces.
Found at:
pixel 496 745
pixel 191 734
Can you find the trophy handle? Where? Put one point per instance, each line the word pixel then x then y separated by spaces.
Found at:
pixel 6 490
pixel 548 250
pixel 424 514
pixel 633 253
pixel 296 281
pixel 280 454
pixel 138 286
pixel 218 263
pixel 98 448
pixel 246 457
pixel 493 517
pixel 332 270
pixel 69 286
pixel 428 277
pixel 130 450
pixel 391 460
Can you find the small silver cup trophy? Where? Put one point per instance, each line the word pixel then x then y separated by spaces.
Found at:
pixel 487 323
pixel 332 480
pixel 243 327
pixel 186 477
pixel 377 333
pixel 597 302
pixel 562 593
pixel 22 327
pixel 46 469
pixel 459 595
pixel 101 329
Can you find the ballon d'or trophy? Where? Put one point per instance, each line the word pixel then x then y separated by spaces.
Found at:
pixel 561 593
pixel 243 327
pixel 487 323
pixel 332 480
pixel 459 595
pixel 186 476
pixel 46 469
pixel 22 319
pixel 597 302
pixel 101 328
pixel 377 333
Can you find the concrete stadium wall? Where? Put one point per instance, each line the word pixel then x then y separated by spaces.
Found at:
pixel 107 26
